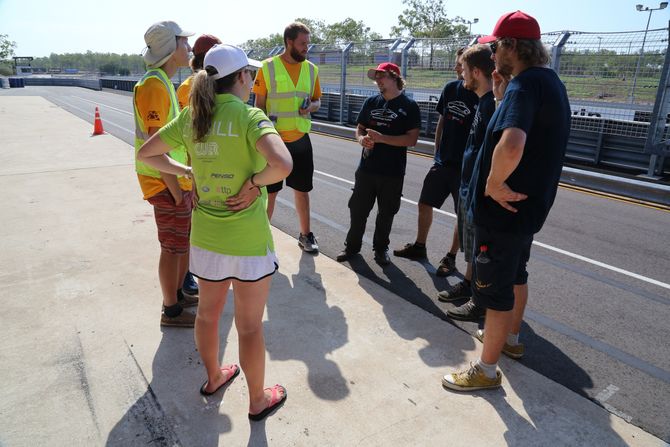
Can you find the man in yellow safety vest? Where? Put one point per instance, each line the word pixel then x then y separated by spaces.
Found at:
pixel 287 89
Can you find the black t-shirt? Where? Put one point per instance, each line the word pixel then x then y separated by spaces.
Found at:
pixel 394 117
pixel 536 102
pixel 457 107
pixel 485 109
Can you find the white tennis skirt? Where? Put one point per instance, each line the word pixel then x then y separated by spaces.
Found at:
pixel 212 266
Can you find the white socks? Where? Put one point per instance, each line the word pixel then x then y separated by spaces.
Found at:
pixel 512 339
pixel 489 370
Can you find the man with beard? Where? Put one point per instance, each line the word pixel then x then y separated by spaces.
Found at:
pixel 457 109
pixel 287 89
pixel 477 77
pixel 513 187
pixel 387 124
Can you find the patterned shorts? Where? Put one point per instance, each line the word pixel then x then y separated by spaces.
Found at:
pixel 173 221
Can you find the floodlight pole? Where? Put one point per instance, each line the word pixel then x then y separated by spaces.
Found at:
pixel 662 5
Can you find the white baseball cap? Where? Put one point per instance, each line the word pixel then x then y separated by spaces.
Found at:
pixel 161 42
pixel 226 59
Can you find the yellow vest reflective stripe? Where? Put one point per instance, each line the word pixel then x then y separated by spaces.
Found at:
pixel 284 98
pixel 141 134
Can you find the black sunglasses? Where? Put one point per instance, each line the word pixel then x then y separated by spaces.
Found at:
pixel 494 46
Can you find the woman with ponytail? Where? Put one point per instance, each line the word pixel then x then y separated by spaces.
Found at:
pixel 235 151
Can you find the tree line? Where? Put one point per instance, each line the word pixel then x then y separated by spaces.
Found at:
pixel 426 19
pixel 420 18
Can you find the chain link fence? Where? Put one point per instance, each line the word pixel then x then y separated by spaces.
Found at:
pixel 613 81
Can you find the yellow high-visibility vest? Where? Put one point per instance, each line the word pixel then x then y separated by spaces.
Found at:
pixel 141 132
pixel 284 99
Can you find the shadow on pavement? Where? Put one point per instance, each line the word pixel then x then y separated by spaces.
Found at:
pixel 399 283
pixel 301 326
pixel 164 415
pixel 544 423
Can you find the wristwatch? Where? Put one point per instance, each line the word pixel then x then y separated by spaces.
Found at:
pixel 188 172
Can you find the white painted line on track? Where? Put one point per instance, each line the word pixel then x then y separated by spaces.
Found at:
pixel 88 111
pixel 541 244
pixel 605 395
pixel 97 103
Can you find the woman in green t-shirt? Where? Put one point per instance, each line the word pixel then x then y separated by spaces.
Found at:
pixel 234 151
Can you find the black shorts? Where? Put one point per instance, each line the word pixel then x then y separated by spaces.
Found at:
pixel 493 281
pixel 438 184
pixel 300 177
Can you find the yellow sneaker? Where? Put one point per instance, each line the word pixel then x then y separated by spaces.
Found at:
pixel 511 351
pixel 470 380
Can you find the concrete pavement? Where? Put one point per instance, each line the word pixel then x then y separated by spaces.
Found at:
pixel 85 362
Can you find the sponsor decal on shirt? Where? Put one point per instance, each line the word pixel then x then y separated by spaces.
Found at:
pixel 153 116
pixel 383 114
pixel 208 149
pixel 264 124
pixel 458 111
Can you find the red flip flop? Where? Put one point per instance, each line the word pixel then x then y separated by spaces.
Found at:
pixel 275 403
pixel 227 382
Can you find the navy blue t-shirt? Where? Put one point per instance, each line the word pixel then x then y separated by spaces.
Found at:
pixel 457 107
pixel 394 117
pixel 485 109
pixel 536 102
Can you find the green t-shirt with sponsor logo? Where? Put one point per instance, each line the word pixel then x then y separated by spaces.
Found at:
pixel 221 164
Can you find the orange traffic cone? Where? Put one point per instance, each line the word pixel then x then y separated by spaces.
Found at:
pixel 97 124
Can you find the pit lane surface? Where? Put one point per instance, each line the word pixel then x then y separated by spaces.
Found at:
pixel 597 318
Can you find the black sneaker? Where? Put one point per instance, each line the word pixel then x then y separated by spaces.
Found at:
pixel 345 255
pixel 308 242
pixel 382 257
pixel 467 312
pixel 411 251
pixel 447 265
pixel 460 290
pixel 190 286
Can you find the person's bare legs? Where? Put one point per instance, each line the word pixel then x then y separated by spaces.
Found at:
pixel 272 197
pixel 520 301
pixel 169 270
pixel 498 325
pixel 455 245
pixel 468 271
pixel 183 268
pixel 302 209
pixel 250 299
pixel 425 221
pixel 212 301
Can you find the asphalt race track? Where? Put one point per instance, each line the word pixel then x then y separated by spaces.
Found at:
pixel 597 318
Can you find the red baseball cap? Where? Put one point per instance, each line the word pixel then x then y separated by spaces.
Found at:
pixel 518 25
pixel 385 66
pixel 204 43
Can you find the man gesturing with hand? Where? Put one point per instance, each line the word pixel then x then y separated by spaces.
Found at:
pixel 387 124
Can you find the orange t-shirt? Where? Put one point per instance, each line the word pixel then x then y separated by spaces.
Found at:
pixel 153 104
pixel 261 89
pixel 183 91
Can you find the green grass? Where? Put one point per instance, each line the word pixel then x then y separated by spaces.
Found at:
pixel 578 87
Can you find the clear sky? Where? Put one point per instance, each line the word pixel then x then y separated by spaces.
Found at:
pixel 41 27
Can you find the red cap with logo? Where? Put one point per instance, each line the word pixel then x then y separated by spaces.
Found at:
pixel 204 43
pixel 385 66
pixel 518 25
